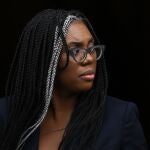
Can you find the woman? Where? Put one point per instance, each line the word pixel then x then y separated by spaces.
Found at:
pixel 56 94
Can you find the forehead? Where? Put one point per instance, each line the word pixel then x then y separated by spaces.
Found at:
pixel 78 32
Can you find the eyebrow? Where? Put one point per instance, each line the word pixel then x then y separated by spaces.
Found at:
pixel 79 44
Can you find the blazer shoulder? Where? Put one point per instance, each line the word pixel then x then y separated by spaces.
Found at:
pixel 118 101
pixel 131 130
pixel 120 105
pixel 121 110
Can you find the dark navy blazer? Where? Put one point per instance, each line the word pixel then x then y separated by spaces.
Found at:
pixel 121 128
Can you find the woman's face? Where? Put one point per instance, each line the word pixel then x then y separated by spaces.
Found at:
pixel 77 77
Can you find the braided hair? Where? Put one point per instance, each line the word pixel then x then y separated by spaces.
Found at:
pixel 31 80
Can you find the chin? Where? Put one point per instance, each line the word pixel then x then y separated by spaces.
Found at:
pixel 86 87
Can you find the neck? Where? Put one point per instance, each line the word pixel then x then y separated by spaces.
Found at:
pixel 60 110
pixel 63 104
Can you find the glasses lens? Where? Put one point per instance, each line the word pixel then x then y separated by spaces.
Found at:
pixel 79 54
pixel 98 50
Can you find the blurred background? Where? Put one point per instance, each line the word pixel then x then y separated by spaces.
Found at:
pixel 120 25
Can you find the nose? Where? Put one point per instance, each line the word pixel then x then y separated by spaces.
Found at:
pixel 89 59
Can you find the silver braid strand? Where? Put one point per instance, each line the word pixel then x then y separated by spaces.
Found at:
pixel 31 129
pixel 50 79
pixel 67 22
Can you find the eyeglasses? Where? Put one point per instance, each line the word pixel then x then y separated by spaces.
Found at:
pixel 80 54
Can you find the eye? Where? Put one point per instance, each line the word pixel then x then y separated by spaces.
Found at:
pixel 75 51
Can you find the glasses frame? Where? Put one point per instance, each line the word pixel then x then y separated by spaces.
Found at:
pixel 86 51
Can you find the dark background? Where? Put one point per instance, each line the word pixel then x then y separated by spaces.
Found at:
pixel 120 25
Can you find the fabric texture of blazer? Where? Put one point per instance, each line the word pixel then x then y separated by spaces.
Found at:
pixel 121 129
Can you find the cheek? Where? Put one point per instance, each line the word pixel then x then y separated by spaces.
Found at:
pixel 69 79
pixel 62 60
pixel 69 75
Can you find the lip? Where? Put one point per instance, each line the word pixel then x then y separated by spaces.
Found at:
pixel 88 75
